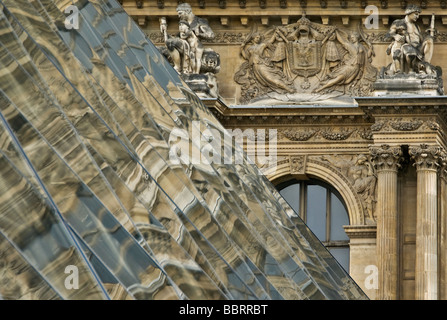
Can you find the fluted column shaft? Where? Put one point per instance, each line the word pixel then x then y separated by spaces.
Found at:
pixel 386 161
pixel 426 271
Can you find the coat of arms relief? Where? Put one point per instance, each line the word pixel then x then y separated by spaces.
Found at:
pixel 305 62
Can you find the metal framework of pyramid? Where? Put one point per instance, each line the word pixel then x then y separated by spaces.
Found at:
pixel 87 180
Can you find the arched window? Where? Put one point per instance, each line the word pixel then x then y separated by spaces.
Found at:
pixel 324 212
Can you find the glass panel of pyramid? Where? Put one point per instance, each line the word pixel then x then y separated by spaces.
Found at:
pixel 100 200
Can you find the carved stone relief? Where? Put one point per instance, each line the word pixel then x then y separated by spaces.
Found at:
pixel 297 164
pixel 305 62
pixel 360 172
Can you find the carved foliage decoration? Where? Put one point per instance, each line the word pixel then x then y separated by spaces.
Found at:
pixel 425 156
pixel 386 157
pixel 305 61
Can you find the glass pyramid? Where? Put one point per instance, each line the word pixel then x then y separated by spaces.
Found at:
pixel 93 205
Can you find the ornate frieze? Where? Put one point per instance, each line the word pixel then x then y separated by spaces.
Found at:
pixel 404 124
pixel 237 38
pixel 330 134
pixel 386 157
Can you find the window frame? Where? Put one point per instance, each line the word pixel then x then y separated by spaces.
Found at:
pixel 303 205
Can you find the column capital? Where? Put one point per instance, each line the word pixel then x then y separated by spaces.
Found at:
pixel 386 157
pixel 426 157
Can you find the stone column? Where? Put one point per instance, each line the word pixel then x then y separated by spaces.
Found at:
pixel 387 162
pixel 426 272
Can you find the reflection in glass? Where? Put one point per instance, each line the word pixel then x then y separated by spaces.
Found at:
pixel 86 150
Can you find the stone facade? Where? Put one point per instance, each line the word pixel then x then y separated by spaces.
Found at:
pixel 382 149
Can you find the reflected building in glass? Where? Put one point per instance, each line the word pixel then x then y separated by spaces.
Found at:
pixel 118 182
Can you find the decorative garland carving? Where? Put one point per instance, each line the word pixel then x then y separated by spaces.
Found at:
pixel 295 135
pixel 400 124
pixel 330 134
pixel 409 125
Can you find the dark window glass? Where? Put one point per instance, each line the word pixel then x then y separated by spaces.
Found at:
pixel 322 209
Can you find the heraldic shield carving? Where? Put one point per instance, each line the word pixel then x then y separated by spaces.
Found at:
pixel 305 62
pixel 304 58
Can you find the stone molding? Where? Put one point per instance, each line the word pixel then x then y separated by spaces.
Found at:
pixel 361 231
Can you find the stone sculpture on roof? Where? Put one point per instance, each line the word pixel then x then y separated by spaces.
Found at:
pixel 197 65
pixel 411 50
pixel 305 62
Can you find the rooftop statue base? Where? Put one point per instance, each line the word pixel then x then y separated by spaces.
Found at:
pixel 204 85
pixel 409 84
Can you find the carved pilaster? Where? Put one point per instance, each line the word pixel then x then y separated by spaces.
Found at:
pixel 443 223
pixel 387 162
pixel 426 274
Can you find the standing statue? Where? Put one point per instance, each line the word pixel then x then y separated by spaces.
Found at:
pixel 199 26
pixel 185 50
pixel 395 49
pixel 197 65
